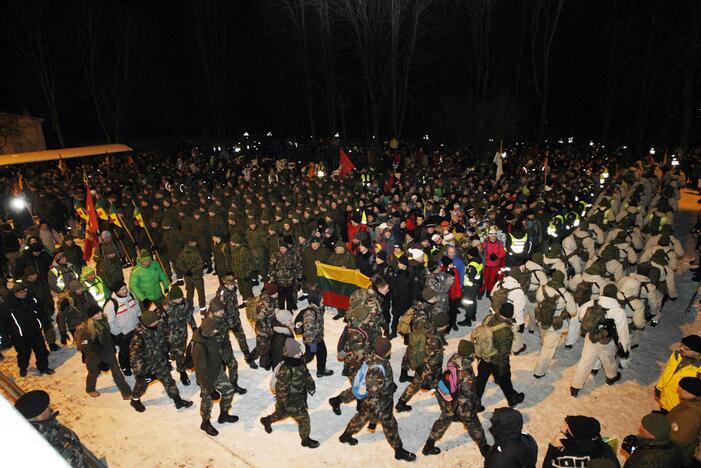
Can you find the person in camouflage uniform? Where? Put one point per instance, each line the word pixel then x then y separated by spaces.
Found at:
pixel 207 358
pixel 377 405
pixel 171 244
pixel 148 355
pixel 292 384
pixel 459 403
pixel 263 310
pixel 190 265
pixel 217 313
pixel 236 260
pixel 227 295
pixel 108 261
pixel 285 270
pixel 177 314
pixel 35 407
pixel 428 374
pixel 257 241
pixel 313 337
pixel 423 311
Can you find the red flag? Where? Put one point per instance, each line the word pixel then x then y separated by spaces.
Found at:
pixel 91 227
pixel 346 164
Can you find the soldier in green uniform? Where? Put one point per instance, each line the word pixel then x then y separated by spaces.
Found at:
pixel 285 269
pixel 148 357
pixel 310 256
pixel 190 265
pixel 458 401
pixel 108 260
pixel 227 295
pixel 292 384
pixel 235 258
pixel 176 315
pixel 35 407
pixel 217 313
pixel 262 312
pixel 377 404
pixel 257 241
pixel 207 358
pixel 171 244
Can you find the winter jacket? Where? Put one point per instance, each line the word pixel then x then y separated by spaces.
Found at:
pixel 502 339
pixel 277 343
pixel 24 316
pixel 400 290
pixel 652 454
pixel 575 452
pixel 512 448
pixel 313 320
pixel 495 249
pixel 148 352
pixel 146 282
pixel 292 385
pixel 365 262
pixel 41 262
pixel 207 360
pixel 345 260
pixel 613 312
pixel 122 313
pixel 676 369
pixel 61 275
pixel 516 296
pixel 100 346
pixel 685 419
pixel 309 259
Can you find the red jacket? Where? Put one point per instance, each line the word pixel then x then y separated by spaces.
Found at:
pixel 455 291
pixel 496 248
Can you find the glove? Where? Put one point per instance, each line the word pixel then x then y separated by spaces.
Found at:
pixel 493 257
pixel 64 339
pixel 521 328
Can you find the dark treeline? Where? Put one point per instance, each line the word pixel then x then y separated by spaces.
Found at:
pixel 619 71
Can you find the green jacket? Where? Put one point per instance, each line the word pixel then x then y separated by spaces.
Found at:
pixel 652 454
pixel 146 282
pixel 685 419
pixel 207 360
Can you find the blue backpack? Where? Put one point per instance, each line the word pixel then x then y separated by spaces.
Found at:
pixel 360 389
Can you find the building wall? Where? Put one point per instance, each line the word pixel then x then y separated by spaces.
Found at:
pixel 20 133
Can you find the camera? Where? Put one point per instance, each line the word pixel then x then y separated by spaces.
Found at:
pixel 630 444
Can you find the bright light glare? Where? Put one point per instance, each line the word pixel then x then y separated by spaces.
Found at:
pixel 245 134
pixel 652 150
pixel 320 174
pixel 18 204
pixel 269 134
pixel 336 135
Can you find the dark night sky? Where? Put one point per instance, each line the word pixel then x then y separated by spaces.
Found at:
pixel 266 90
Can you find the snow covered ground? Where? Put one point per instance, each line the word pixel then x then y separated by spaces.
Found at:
pixel 164 436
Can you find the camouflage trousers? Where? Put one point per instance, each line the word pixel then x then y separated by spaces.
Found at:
pixel 388 421
pixel 351 366
pixel 225 389
pixel 468 419
pixel 423 376
pixel 232 366
pixel 192 284
pixel 262 343
pixel 177 347
pixel 161 373
pixel 240 335
pixel 301 417
pixel 245 288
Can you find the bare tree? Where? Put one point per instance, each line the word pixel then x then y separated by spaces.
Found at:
pixel 9 128
pixel 210 19
pixel 34 39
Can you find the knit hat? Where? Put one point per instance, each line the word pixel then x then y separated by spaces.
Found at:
pixel 382 346
pixel 417 255
pixel 208 327
pixel 59 255
pixel 283 316
pixel 229 279
pixel 215 305
pixel 382 255
pixel 583 427
pixel 144 255
pixel 554 250
pixel 507 310
pixel 660 257
pixel 609 253
pixel 175 293
pixel 17 287
pixel 403 260
pixel 466 348
pixel 693 342
pixel 75 286
pixel 117 285
pixel 93 310
pixel 473 252
pixel 597 268
pixel 691 385
pixel 149 317
pixel 270 289
pixel 610 290
pixel 440 319
pixel 292 348
pixel 657 425
pixel 85 272
pixel 428 294
pixel 32 404
pixel 29 271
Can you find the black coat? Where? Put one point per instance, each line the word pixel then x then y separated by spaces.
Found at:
pixel 400 284
pixel 24 316
pixel 277 346
pixel 364 263
pixel 573 451
pixel 41 262
pixel 511 448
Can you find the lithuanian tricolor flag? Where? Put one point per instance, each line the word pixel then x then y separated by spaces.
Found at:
pixel 337 284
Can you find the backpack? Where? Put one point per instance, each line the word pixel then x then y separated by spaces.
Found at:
pixel 273 378
pixel 404 326
pixel 545 310
pixel 593 324
pixel 251 312
pixel 360 389
pixel 582 293
pixel 448 384
pixel 483 338
pixel 343 340
pixel 500 296
pixel 523 276
pixel 416 348
pixel 581 251
pixel 299 323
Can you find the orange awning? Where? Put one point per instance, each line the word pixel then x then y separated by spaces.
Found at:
pixel 63 153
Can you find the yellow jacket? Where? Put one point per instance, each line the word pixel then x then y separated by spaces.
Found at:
pixel 676 369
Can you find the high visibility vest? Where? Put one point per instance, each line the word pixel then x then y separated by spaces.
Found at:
pixel 97 290
pixel 478 267
pixel 552 228
pixel 518 245
pixel 60 284
pixel 365 178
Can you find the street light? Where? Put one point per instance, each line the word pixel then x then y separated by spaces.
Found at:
pixel 18 204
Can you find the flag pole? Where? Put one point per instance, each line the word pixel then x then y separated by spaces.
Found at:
pixel 150 239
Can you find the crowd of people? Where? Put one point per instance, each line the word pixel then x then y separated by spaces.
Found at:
pixel 568 243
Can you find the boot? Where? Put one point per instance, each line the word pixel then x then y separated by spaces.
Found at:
pixel 430 448
pixel 372 427
pixel 184 378
pixel 613 380
pixel 137 405
pixel 309 442
pixel 401 454
pixel 517 399
pixel 324 373
pixel 208 428
pixel 484 449
pixel 47 371
pixel 523 348
pixel 54 347
pixel 180 403
pixel 215 396
pixel 574 392
pixel 94 393
pixel 402 407
pixel 251 362
pixel 465 323
pixel 226 418
pixel 594 371
pixel 23 372
pixel 404 376
pixel 267 425
pixel 348 439
pixel 335 403
pixel 239 390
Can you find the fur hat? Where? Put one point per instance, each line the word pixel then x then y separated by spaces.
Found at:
pixel 382 346
pixel 657 425
pixel 466 348
pixel 292 348
pixel 149 317
pixel 507 310
pixel 283 316
pixel 208 327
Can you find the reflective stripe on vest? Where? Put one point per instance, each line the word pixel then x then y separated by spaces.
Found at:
pixel 478 267
pixel 59 279
pixel 518 245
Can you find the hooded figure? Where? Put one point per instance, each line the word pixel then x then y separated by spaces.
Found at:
pixel 512 448
pixel 581 442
